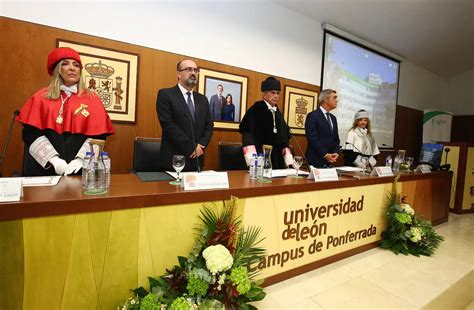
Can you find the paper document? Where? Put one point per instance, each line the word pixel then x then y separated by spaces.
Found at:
pixel 348 169
pixel 182 174
pixel 41 181
pixel 281 173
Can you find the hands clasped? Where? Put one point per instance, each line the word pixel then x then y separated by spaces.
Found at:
pixel 331 157
pixel 198 152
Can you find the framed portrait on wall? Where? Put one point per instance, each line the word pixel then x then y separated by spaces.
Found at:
pixel 297 104
pixel 112 75
pixel 227 95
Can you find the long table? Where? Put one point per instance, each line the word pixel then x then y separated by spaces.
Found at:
pixel 60 248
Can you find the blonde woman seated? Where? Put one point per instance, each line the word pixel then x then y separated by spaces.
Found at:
pixel 360 147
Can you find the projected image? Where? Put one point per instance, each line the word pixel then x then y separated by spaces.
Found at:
pixel 363 80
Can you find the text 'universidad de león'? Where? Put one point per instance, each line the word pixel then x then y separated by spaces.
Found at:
pixel 305 224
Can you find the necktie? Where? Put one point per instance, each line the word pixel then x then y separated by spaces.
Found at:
pixel 190 104
pixel 329 120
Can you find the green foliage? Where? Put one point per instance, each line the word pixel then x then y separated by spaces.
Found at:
pixel 180 303
pixel 406 233
pixel 239 277
pixel 197 286
pixel 140 292
pixel 402 217
pixel 149 303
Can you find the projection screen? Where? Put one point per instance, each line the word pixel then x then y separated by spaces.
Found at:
pixel 364 79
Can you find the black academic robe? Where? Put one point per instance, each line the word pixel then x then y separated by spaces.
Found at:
pixel 257 129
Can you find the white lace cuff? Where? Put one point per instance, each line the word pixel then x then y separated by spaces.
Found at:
pixel 42 151
pixel 249 150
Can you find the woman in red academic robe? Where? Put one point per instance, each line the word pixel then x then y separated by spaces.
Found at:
pixel 59 120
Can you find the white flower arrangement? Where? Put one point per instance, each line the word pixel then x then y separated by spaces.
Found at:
pixel 216 274
pixel 407 208
pixel 406 233
pixel 415 234
pixel 218 258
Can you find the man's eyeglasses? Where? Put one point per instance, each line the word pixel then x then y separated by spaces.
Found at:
pixel 190 70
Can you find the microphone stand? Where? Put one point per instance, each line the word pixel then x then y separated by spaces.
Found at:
pixel 363 155
pixel 191 123
pixel 7 141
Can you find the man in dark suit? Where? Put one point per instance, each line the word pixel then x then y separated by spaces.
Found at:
pixel 322 132
pixel 217 102
pixel 180 110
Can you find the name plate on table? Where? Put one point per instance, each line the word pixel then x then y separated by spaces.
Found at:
pixel 194 181
pixel 327 174
pixel 11 189
pixel 382 171
pixel 423 168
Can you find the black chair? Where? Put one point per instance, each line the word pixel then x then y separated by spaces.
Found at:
pixel 146 152
pixel 231 156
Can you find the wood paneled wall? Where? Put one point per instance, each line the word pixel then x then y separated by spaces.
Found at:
pixel 23 55
pixel 25 47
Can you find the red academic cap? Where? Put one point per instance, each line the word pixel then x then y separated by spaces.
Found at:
pixel 61 53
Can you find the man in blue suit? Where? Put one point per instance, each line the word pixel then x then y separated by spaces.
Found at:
pixel 322 132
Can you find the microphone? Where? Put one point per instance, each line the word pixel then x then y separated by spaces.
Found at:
pixel 4 151
pixel 446 166
pixel 361 154
pixel 447 150
pixel 186 115
pixel 298 144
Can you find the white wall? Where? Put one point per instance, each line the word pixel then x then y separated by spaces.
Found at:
pixel 255 35
pixel 461 93
pixel 421 89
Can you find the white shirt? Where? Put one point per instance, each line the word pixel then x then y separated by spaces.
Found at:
pixel 270 107
pixel 185 95
pixel 325 113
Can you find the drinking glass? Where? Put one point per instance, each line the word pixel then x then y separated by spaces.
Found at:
pixel 178 164
pixel 409 161
pixel 298 162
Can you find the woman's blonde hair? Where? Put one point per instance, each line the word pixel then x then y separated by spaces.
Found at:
pixel 356 121
pixel 54 92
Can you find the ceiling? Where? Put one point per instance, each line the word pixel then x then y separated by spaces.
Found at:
pixel 435 34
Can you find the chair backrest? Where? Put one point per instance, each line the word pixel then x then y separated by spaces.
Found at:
pixel 146 152
pixel 231 156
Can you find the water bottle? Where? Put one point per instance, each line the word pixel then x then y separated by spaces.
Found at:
pixel 388 161
pixel 95 176
pixel 84 169
pixel 396 163
pixel 260 166
pixel 253 167
pixel 107 163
